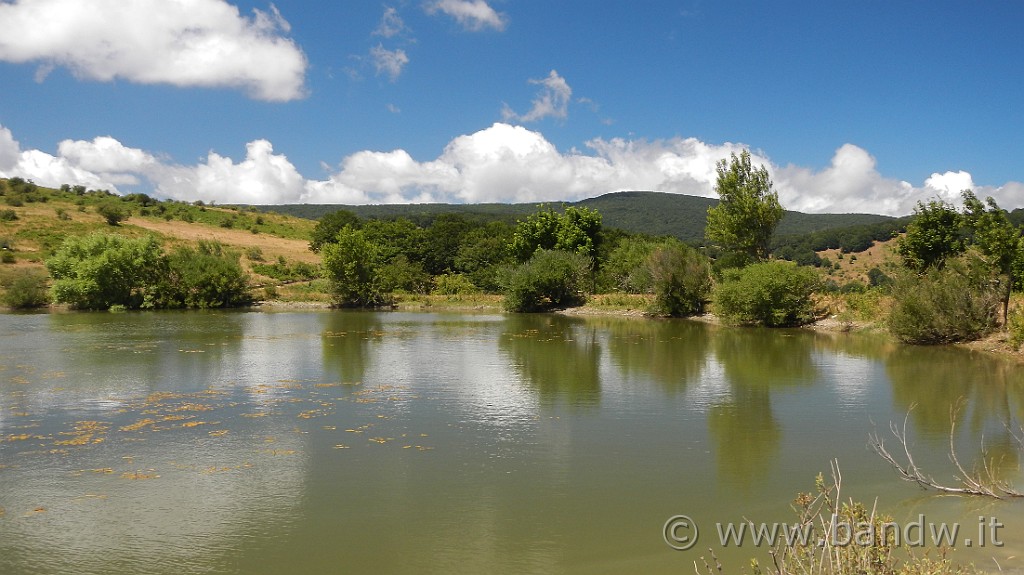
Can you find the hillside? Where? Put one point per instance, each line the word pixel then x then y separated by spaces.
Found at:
pixel 35 220
pixel 654 213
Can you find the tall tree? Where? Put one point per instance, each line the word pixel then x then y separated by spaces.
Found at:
pixel 577 230
pixel 989 228
pixel 748 211
pixel 935 233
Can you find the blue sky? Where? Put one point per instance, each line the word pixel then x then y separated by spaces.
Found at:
pixel 868 106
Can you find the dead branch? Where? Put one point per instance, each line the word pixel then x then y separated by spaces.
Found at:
pixel 984 483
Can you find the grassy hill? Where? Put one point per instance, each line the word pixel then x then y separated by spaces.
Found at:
pixel 653 213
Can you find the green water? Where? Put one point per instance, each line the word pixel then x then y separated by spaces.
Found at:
pixel 339 442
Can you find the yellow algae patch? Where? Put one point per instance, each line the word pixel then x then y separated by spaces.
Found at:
pixel 311 414
pixel 194 423
pixel 175 417
pixel 260 414
pixel 193 407
pixel 139 424
pixel 18 437
pixel 341 446
pixel 279 451
pixel 219 433
pixel 322 385
pixel 83 439
pixel 139 475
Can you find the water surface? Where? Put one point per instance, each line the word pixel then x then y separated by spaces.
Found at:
pixel 348 442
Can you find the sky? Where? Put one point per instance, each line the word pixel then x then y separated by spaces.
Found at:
pixel 853 107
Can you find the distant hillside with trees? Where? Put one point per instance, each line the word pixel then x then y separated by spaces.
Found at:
pixel 651 213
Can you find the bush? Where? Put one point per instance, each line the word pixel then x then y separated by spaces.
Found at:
pixel 453 284
pixel 351 264
pixel 114 215
pixel 1015 325
pixel 101 270
pixel 7 257
pixel 8 215
pixel 206 276
pixel 959 302
pixel 403 275
pixel 254 254
pixel 25 291
pixel 681 279
pixel 549 279
pixel 627 268
pixel 774 293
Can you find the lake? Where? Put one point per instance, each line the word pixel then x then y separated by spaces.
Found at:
pixel 390 442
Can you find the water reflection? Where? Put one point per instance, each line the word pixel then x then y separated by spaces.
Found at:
pixel 755 362
pixel 347 338
pixel 557 356
pixel 672 353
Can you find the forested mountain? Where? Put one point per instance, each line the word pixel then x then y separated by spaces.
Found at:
pixel 653 213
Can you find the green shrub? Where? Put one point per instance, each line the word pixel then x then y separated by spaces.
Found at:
pixel 351 264
pixel 254 254
pixel 1015 325
pixel 8 215
pixel 401 274
pixel 627 269
pixel 101 270
pixel 207 276
pixel 959 302
pixel 7 257
pixel 774 293
pixel 549 279
pixel 681 278
pixel 453 284
pixel 25 291
pixel 62 214
pixel 114 215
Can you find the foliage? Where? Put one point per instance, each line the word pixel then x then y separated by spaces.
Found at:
pixel 328 227
pixel 958 302
pixel 773 293
pixel 441 242
pixel 26 290
pixel 932 236
pixel 991 231
pixel 351 264
pixel 483 252
pixel 749 211
pixel 395 237
pixel 100 270
pixel 550 279
pixel 206 276
pixel 681 278
pixel 1015 325
pixel 113 214
pixel 281 271
pixel 576 230
pixel 453 284
pixel 401 274
pixel 627 269
pixel 8 215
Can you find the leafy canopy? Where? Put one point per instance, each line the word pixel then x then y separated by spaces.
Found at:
pixel 748 211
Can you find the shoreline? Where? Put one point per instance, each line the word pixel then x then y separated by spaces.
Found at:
pixel 995 344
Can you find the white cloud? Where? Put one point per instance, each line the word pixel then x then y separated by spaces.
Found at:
pixel 473 15
pixel 197 43
pixel 552 100
pixel 388 62
pixel 10 151
pixel 391 24
pixel 502 163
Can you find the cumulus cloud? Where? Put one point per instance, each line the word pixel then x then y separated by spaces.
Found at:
pixel 474 15
pixel 552 100
pixel 195 43
pixel 501 163
pixel 388 62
